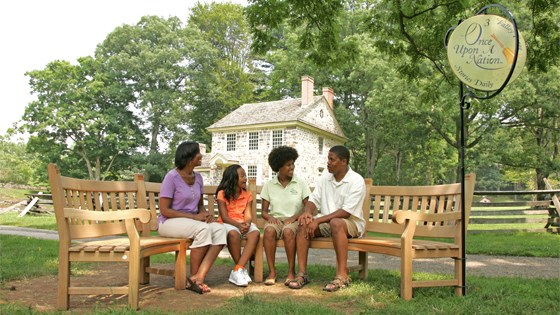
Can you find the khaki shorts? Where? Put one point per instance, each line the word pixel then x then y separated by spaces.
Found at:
pixel 325 229
pixel 230 227
pixel 279 228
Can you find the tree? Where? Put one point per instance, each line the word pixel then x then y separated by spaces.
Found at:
pixel 79 113
pixel 531 115
pixel 226 70
pixel 150 61
pixel 16 165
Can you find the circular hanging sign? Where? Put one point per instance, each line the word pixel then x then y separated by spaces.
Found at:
pixel 481 51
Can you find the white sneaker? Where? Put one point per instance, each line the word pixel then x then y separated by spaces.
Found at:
pixel 238 278
pixel 246 275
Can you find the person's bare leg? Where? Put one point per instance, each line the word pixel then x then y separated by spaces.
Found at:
pixel 289 238
pixel 252 240
pixel 234 245
pixel 196 257
pixel 207 262
pixel 302 248
pixel 339 232
pixel 270 251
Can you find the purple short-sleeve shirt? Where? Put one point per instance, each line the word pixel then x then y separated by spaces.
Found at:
pixel 184 197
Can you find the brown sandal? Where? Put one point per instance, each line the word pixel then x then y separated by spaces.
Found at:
pixel 337 284
pixel 300 281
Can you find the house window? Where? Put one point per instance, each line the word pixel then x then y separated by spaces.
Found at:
pixel 321 144
pixel 252 172
pixel 230 142
pixel 277 138
pixel 253 141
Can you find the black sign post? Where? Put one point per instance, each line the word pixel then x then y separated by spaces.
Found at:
pixel 486 52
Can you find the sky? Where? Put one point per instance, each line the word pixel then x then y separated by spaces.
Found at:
pixel 36 32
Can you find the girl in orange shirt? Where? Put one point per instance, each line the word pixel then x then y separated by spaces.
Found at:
pixel 234 205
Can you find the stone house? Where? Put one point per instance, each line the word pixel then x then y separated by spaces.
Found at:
pixel 249 133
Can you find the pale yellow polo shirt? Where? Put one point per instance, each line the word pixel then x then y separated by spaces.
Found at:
pixel 285 201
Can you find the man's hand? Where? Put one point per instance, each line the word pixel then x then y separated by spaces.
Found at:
pixel 305 219
pixel 310 229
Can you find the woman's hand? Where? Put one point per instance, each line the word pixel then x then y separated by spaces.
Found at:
pixel 201 216
pixel 210 218
pixel 273 220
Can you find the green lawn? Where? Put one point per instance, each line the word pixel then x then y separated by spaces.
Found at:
pixel 379 294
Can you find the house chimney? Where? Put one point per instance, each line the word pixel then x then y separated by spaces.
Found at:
pixel 306 90
pixel 202 147
pixel 328 93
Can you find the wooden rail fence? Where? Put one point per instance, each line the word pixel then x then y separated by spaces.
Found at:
pixel 536 215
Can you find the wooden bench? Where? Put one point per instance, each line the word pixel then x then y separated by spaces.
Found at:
pixel 399 218
pixel 113 223
pixel 209 195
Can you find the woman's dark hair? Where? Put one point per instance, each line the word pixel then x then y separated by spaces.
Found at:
pixel 342 152
pixel 186 152
pixel 280 155
pixel 229 181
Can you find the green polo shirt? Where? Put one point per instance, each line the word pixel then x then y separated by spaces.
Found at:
pixel 285 201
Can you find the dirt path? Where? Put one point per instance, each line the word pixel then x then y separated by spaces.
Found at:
pixel 40 293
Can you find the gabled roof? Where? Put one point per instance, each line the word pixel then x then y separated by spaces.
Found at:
pixel 275 112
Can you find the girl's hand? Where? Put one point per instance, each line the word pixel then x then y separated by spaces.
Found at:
pixel 244 228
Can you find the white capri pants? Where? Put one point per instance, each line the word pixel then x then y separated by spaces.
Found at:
pixel 202 233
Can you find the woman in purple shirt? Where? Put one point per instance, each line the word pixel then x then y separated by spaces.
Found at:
pixel 182 215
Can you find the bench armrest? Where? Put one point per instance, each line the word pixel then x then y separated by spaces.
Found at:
pixel 141 214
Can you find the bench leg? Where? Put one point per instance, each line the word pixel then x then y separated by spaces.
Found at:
pixel 63 298
pixel 363 262
pixel 406 275
pixel 181 267
pixel 144 276
pixel 133 280
pixel 259 262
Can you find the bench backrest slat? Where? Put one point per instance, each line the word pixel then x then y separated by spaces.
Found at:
pixel 209 195
pixel 93 195
pixel 383 201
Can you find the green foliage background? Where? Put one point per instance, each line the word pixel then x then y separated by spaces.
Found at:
pixel 162 80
